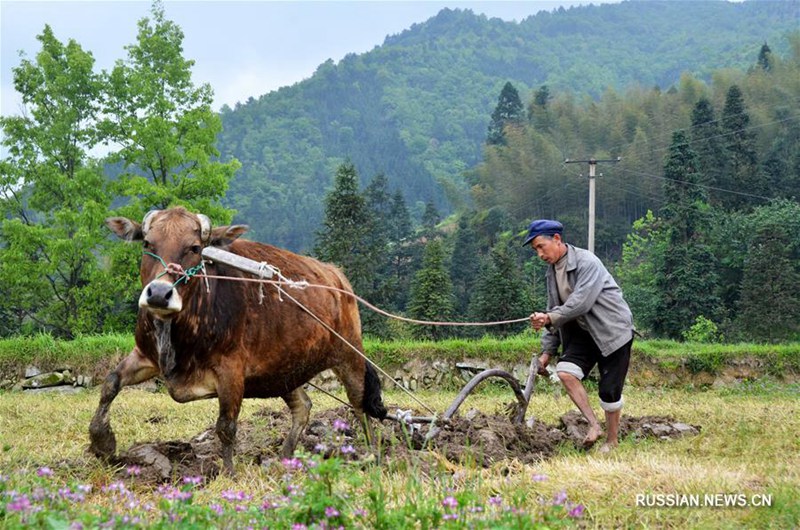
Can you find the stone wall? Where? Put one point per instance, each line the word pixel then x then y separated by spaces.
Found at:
pixel 436 375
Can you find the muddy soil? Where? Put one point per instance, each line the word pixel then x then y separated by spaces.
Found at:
pixel 474 438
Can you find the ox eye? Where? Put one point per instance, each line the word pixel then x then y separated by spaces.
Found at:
pixel 195 249
pixel 146 245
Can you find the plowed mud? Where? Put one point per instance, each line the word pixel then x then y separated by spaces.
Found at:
pixel 474 438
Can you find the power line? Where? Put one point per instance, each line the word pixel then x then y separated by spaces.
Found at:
pixel 639 173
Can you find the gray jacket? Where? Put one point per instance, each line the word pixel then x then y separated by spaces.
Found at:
pixel 596 303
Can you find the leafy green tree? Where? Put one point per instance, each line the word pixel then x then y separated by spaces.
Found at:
pixel 500 292
pixel 54 198
pixel 744 172
pixel 432 293
pixel 509 111
pixel 164 126
pixel 464 264
pixel 688 282
pixel 642 261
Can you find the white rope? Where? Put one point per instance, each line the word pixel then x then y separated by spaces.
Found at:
pixel 367 359
pixel 264 271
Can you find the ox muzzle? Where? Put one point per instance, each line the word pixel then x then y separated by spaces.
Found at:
pixel 161 298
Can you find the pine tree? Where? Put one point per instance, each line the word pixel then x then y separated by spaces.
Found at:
pixel 509 111
pixel 464 265
pixel 707 141
pixel 765 58
pixel 432 293
pixel 401 251
pixel 744 172
pixel 345 235
pixel 500 292
pixel 688 281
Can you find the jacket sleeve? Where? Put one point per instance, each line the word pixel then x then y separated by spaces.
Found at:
pixel 588 286
pixel 551 340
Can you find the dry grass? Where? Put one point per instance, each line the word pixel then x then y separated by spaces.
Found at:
pixel 749 444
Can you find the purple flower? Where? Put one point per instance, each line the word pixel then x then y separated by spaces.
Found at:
pixel 331 511
pixel 19 503
pixel 450 516
pixel 133 471
pixel 348 449
pixel 193 480
pixel 292 464
pixel 44 471
pixel 496 500
pixel 235 496
pixel 320 448
pixel 340 425
pixel 560 498
pixel 171 493
pixel 358 512
pixel 299 526
pixel 539 478
pixel 576 511
pixel 450 502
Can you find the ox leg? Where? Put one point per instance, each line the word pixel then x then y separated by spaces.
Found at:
pixel 135 368
pixel 352 379
pixel 300 405
pixel 230 403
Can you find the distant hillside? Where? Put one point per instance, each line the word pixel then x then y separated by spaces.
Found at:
pixel 417 107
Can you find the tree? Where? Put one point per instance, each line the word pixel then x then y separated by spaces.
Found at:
pixel 770 300
pixel 54 198
pixel 642 261
pixel 688 281
pixel 464 265
pixel 345 237
pixel 744 172
pixel 765 58
pixel 164 126
pixel 509 111
pixel 432 293
pixel 500 292
pixel 401 251
pixel 707 141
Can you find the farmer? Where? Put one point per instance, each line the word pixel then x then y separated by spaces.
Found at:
pixel 587 316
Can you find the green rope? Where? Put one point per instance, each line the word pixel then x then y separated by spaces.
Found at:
pixel 185 277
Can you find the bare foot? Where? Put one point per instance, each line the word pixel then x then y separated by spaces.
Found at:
pixel 595 431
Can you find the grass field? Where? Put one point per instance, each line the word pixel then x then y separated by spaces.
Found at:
pixel 749 448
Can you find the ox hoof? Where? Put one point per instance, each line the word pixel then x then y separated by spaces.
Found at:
pixel 103 445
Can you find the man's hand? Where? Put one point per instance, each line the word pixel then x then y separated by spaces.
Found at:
pixel 544 360
pixel 539 320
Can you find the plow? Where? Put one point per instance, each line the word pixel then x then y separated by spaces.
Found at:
pixel 267 274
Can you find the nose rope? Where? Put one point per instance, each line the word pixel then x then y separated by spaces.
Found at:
pixel 176 269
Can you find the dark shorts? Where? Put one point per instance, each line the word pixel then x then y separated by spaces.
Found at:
pixel 580 354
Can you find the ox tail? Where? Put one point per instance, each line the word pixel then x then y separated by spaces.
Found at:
pixel 373 402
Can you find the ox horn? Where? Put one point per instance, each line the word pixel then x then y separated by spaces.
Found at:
pixel 205 227
pixel 148 218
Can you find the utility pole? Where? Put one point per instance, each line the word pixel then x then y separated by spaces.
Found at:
pixel 592 166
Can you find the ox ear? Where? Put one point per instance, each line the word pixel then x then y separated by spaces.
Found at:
pixel 125 228
pixel 223 236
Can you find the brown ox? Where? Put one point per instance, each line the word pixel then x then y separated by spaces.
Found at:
pixel 227 341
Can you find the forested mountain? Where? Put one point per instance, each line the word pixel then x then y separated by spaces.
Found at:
pixel 417 108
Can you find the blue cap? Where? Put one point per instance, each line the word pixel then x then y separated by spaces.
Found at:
pixel 543 227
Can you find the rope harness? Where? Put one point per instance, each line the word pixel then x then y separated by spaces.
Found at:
pixel 267 271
